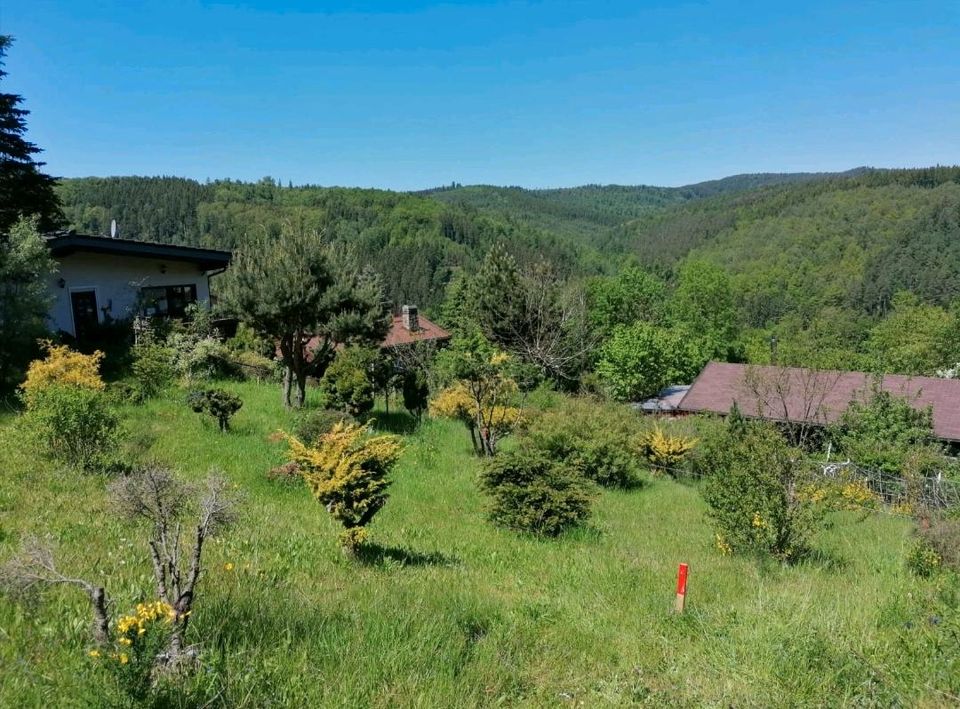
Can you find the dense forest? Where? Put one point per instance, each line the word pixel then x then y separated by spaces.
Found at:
pixel 818 260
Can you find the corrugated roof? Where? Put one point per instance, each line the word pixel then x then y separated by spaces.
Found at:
pixel 399 335
pixel 666 401
pixel 815 396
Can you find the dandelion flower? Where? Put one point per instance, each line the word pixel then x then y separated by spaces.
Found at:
pixel 124 659
pixel 94 653
pixel 228 566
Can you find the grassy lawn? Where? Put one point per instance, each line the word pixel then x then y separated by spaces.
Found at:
pixel 448 610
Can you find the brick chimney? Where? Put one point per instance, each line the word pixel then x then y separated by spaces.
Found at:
pixel 410 320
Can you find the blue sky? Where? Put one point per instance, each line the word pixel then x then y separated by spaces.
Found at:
pixel 409 95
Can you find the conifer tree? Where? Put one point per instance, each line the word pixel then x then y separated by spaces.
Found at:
pixel 308 297
pixel 24 189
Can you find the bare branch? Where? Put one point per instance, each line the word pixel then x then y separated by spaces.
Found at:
pixel 34 567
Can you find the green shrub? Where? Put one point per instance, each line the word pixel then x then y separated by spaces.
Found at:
pixel 416 392
pixel 592 438
pixel 754 495
pixel 940 535
pixel 75 425
pixel 254 366
pixel 152 369
pixel 314 424
pixel 532 492
pixel 347 385
pixel 218 403
pixel 923 560
pixel 198 358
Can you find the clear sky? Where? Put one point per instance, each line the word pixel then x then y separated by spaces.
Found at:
pixel 408 95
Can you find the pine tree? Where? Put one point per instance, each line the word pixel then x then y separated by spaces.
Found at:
pixel 24 189
pixel 299 292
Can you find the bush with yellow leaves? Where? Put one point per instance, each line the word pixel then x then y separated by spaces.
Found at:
pixel 347 469
pixel 67 409
pixel 663 450
pixel 482 392
pixel 487 420
pixel 62 366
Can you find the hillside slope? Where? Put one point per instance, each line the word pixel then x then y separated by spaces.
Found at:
pixel 847 242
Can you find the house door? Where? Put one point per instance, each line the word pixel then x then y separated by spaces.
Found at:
pixel 84 304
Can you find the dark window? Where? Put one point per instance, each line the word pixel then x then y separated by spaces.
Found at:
pixel 168 301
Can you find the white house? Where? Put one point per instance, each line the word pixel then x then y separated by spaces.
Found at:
pixel 100 279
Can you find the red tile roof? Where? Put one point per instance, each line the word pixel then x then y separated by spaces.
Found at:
pixel 815 396
pixel 399 335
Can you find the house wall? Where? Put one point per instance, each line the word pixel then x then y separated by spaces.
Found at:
pixel 117 281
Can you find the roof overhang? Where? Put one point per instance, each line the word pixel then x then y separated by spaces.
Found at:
pixel 206 259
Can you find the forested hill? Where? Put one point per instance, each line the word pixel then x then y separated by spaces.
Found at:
pixel 415 242
pixel 848 243
pixel 590 212
pixel 800 246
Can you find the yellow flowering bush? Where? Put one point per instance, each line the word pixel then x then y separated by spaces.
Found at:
pixel 67 410
pixel 63 366
pixel 139 638
pixel 663 450
pixel 842 494
pixel 347 470
pixel 487 419
pixel 482 392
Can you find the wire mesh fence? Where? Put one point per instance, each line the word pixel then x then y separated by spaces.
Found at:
pixel 888 492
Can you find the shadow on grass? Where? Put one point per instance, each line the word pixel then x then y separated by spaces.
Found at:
pixel 821 559
pixel 374 554
pixel 395 422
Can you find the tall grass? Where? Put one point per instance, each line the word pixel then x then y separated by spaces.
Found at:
pixel 447 610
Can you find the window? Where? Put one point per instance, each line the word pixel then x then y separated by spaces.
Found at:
pixel 168 301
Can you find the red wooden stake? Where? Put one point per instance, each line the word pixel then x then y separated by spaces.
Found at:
pixel 681 588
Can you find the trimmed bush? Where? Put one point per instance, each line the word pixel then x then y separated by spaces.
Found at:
pixel 218 403
pixel 532 492
pixel 348 471
pixel 665 451
pixel 592 438
pixel 314 424
pixel 348 385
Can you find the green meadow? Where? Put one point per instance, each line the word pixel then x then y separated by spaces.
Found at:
pixel 447 610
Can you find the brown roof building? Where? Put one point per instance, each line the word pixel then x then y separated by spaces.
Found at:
pixel 815 396
pixel 410 327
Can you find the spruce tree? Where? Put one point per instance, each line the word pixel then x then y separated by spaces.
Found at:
pixel 24 189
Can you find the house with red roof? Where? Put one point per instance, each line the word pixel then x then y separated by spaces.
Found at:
pixel 818 397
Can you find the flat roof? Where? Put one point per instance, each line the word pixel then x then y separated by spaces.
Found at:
pixel 66 243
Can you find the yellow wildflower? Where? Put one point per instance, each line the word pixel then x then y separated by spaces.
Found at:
pixel 94 653
pixel 125 641
pixel 722 545
pixel 228 566
pixel 124 659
